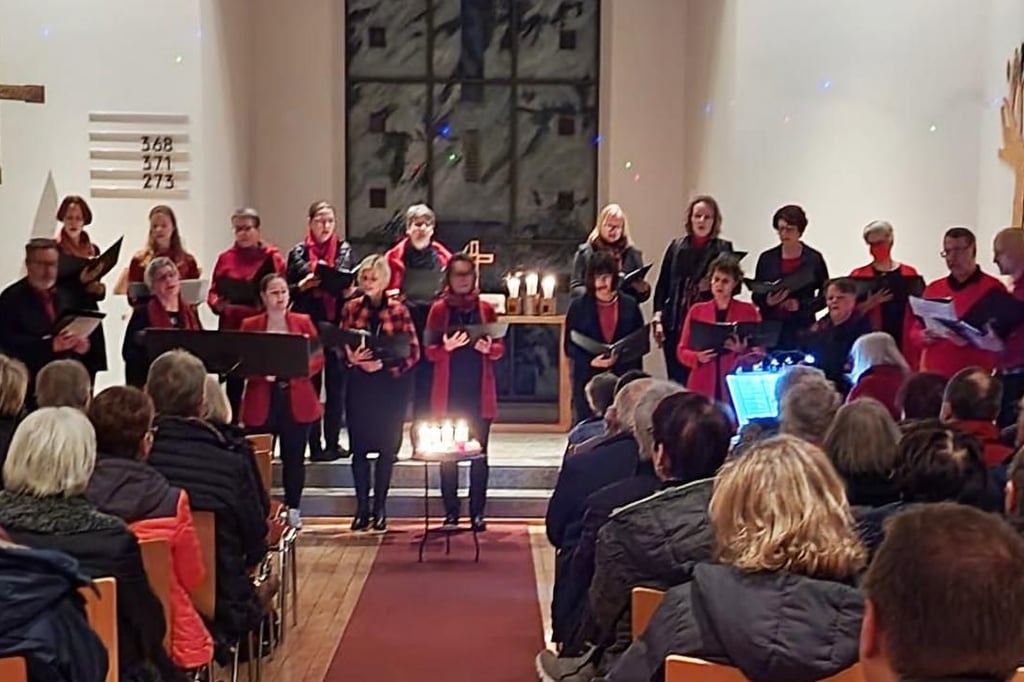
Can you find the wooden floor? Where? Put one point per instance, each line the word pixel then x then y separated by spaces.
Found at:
pixel 333 566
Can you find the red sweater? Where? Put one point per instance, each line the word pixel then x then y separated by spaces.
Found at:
pixel 942 356
pixel 437 321
pixel 703 376
pixel 911 350
pixel 881 382
pixel 236 263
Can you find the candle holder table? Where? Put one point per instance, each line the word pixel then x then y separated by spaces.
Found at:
pixel 464 452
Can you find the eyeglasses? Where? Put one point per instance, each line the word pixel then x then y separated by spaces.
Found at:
pixel 955 250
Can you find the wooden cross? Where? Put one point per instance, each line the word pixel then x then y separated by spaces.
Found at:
pixel 33 94
pixel 473 251
pixel 1012 151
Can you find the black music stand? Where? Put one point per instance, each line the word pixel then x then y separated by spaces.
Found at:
pixel 453 456
pixel 235 353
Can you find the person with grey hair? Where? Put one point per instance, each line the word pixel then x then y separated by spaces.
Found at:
pixel 249 259
pixel 163 309
pixel 418 252
pixel 879 369
pixel 576 562
pixel 64 383
pixel 13 387
pixel 888 307
pixel 614 459
pixel 808 409
pixel 219 477
pixel 765 427
pixel 43 506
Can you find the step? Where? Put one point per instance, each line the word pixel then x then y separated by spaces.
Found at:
pixel 408 474
pixel 407 503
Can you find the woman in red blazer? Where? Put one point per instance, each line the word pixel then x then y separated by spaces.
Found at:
pixel 473 396
pixel 285 408
pixel 879 371
pixel 708 368
pixel 887 312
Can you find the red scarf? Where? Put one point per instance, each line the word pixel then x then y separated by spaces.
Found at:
pixel 83 249
pixel 618 249
pixel 462 302
pixel 326 252
pixel 159 318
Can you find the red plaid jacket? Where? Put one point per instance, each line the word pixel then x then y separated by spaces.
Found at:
pixel 394 319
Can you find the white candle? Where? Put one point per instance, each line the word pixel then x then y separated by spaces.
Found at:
pixel 513 282
pixel 435 438
pixel 423 437
pixel 531 283
pixel 547 285
pixel 461 432
pixel 447 434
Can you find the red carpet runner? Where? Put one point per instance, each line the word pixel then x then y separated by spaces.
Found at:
pixel 447 619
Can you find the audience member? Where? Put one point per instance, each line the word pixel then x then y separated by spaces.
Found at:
pixel 125 486
pixel 656 540
pixel 52 456
pixel 920 396
pixel 944 598
pixel 600 392
pixel 612 460
pixel 781 601
pixel 863 444
pixel 575 566
pixel 628 377
pixel 879 370
pixel 766 427
pixel 41 619
pixel 1013 492
pixel 939 463
pixel 808 408
pixel 195 456
pixel 216 404
pixel 63 383
pixel 971 403
pixel 13 387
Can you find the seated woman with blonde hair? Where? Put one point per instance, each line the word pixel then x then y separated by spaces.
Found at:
pixel 781 601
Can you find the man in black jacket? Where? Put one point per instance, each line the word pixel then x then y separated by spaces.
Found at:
pixel 944 598
pixel 195 456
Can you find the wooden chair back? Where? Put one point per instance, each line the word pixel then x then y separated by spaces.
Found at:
pixel 101 611
pixel 686 669
pixel 263 449
pixel 13 669
pixel 204 597
pixel 156 558
pixel 645 601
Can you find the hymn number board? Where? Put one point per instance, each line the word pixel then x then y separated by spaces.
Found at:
pixel 139 156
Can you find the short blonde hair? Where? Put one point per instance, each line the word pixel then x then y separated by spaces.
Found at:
pixel 782 507
pixel 155 266
pixel 874 349
pixel 375 262
pixel 177 384
pixel 808 409
pixel 13 386
pixel 53 452
pixel 607 212
pixel 878 226
pixel 419 211
pixel 218 407
pixel 863 439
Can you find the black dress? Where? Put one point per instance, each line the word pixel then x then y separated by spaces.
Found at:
pixel 69 269
pixel 423 373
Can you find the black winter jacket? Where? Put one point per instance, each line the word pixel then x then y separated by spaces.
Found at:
pixel 42 618
pixel 196 457
pixel 772 626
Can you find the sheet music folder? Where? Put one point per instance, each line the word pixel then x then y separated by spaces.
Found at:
pixel 638 274
pixel 422 285
pixel 628 348
pixel 72 266
pixel 713 335
pixel 334 282
pixel 245 291
pixel 391 350
pixel 80 323
pixel 899 285
pixel 494 330
pixel 237 353
pixel 802 278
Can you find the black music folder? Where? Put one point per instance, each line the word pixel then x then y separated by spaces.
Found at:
pixel 630 347
pixel 629 278
pixel 494 330
pixel 999 309
pixel 72 266
pixel 334 282
pixel 391 350
pixel 422 285
pixel 236 353
pixel 245 291
pixel 713 335
pixel 901 286
pixel 793 282
pixel 80 323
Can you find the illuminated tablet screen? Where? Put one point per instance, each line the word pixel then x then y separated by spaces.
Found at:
pixel 753 395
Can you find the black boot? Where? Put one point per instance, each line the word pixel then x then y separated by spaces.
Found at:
pixel 380 518
pixel 361 479
pixel 361 521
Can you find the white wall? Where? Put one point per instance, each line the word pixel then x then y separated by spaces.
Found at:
pixel 120 55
